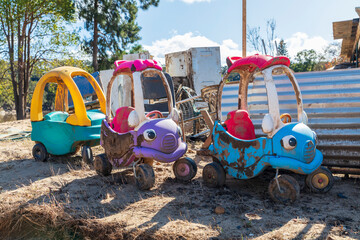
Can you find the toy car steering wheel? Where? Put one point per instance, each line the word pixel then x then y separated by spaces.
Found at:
pixel 285 118
pixel 156 113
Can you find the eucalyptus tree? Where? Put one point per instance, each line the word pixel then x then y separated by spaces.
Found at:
pixel 31 31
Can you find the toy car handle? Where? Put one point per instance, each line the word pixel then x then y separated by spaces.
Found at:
pixel 156 112
pixel 285 118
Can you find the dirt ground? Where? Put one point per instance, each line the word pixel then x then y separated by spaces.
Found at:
pixel 64 199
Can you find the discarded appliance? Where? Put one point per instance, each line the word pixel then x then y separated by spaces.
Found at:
pixel 139 132
pixel 61 132
pixel 195 68
pixel 288 145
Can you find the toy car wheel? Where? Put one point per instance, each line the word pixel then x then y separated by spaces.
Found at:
pixel 320 181
pixel 289 189
pixel 185 169
pixel 87 155
pixel 39 152
pixel 214 175
pixel 102 165
pixel 145 176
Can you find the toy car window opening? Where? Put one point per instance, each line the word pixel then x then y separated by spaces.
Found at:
pixel 155 96
pixel 257 99
pixel 87 92
pixel 123 86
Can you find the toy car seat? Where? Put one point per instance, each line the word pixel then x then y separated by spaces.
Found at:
pixel 120 121
pixel 239 124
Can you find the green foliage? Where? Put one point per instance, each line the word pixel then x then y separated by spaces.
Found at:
pixel 282 49
pixel 6 93
pixel 307 60
pixel 232 76
pixel 116 23
pixel 32 31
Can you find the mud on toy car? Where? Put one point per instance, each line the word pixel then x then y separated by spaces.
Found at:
pixel 141 133
pixel 288 145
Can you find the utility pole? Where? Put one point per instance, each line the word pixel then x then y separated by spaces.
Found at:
pixel 244 28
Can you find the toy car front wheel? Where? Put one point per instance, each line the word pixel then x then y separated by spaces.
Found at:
pixel 145 176
pixel 39 152
pixel 87 155
pixel 185 169
pixel 102 165
pixel 214 175
pixel 320 181
pixel 289 189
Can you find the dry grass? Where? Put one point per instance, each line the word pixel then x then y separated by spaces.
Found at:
pixel 50 221
pixel 64 199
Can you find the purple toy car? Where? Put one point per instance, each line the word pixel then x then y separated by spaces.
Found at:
pixel 139 134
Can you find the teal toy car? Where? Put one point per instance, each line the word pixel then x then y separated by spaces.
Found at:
pixel 61 132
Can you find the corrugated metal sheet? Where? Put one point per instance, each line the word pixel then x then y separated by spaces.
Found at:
pixel 331 100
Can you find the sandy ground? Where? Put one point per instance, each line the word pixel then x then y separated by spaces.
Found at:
pixel 171 210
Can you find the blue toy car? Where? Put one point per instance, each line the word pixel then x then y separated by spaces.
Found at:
pixel 288 145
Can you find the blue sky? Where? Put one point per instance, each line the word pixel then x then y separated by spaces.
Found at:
pixel 177 25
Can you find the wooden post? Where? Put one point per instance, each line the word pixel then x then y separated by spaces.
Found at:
pixel 210 124
pixel 244 28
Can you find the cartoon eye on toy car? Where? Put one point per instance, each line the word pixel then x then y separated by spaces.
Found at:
pixel 139 134
pixel 288 145
pixel 61 132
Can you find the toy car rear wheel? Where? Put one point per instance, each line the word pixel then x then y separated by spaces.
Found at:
pixel 145 176
pixel 39 152
pixel 214 175
pixel 320 181
pixel 289 189
pixel 102 165
pixel 185 169
pixel 87 155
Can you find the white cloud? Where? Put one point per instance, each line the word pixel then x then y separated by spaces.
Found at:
pixel 190 1
pixel 194 1
pixel 188 40
pixel 177 43
pixel 297 42
pixel 301 41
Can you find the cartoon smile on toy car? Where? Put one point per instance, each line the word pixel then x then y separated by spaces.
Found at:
pixel 139 134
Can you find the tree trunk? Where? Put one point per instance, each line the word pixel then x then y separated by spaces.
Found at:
pixel 20 108
pixel 96 36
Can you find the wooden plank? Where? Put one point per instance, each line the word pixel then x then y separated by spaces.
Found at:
pixel 342 29
pixel 210 124
pixel 207 118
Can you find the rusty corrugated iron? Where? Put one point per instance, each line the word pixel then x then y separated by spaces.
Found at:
pixel 331 100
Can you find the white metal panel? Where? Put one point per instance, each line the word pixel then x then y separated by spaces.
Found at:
pixel 201 66
pixel 176 64
pixel 206 67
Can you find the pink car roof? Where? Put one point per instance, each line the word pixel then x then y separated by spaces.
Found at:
pixel 135 65
pixel 254 62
